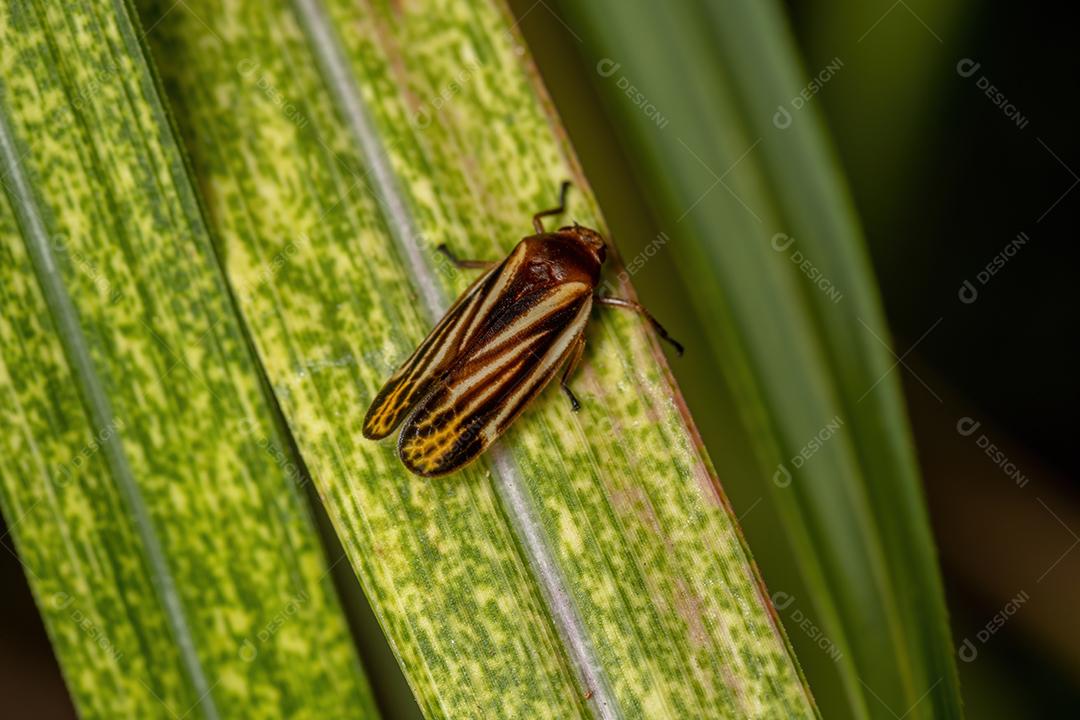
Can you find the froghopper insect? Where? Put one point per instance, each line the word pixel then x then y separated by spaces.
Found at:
pixel 496 348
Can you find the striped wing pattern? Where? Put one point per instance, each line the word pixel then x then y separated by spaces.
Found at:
pixel 516 352
pixel 441 348
pixel 432 358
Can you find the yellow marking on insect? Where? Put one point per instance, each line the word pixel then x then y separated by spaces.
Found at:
pixel 494 350
pixel 425 453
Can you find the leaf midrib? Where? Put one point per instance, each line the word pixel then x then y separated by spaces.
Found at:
pixel 95 403
pixel 506 477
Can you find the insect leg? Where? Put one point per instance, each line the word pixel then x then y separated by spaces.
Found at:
pixel 640 309
pixel 571 365
pixel 553 211
pixel 465 264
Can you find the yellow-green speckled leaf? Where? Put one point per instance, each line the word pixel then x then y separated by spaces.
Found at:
pixel 589 566
pixel 170 551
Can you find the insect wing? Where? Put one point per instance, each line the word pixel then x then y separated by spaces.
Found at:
pixel 516 355
pixel 433 357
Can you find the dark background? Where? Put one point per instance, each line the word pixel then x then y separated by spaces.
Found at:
pixel 943 181
pixel 963 182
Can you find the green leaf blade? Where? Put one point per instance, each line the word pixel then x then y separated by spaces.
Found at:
pixel 597 546
pixel 165 556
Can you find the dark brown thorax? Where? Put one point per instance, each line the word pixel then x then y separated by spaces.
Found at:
pixel 572 254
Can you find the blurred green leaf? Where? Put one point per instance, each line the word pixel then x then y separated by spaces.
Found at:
pixel 175 564
pixel 720 128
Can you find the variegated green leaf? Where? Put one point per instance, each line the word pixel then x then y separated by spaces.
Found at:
pixel 165 538
pixel 590 565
